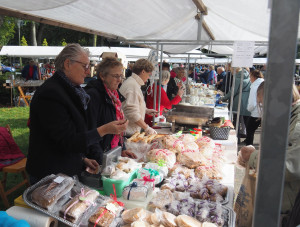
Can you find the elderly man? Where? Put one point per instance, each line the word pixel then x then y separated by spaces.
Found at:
pixel 221 78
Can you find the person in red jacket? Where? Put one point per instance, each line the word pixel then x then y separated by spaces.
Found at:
pixel 165 102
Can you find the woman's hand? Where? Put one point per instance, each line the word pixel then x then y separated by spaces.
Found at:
pixel 180 91
pixel 150 131
pixel 92 165
pixel 114 127
pixel 129 154
pixel 151 112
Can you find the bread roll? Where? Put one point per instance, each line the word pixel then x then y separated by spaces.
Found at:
pixel 133 215
pixel 168 219
pixel 187 221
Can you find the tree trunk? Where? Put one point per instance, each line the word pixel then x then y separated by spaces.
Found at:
pixel 39 35
pixel 95 40
pixel 33 34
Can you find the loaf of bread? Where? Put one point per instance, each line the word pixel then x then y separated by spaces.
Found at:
pixel 191 159
pixel 187 221
pixel 75 208
pixel 47 194
pixel 168 219
pixel 132 215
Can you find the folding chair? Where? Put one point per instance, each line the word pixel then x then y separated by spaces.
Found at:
pixel 26 98
pixel 17 168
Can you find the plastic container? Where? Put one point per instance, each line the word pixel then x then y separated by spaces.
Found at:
pixel 119 184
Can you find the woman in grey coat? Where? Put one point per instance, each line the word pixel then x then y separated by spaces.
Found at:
pixel 244 113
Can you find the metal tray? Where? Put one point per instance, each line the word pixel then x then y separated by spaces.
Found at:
pixel 83 220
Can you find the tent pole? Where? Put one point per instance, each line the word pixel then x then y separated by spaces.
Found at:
pixel 239 104
pixel 155 86
pixel 232 93
pixel 160 76
pixel 226 78
pixel 276 112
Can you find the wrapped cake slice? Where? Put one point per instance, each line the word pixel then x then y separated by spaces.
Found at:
pixel 77 206
pixel 135 192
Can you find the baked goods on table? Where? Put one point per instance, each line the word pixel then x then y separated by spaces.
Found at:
pixel 135 214
pixel 166 155
pixel 52 190
pixel 187 221
pixel 151 174
pixel 160 200
pixel 142 137
pixel 106 214
pixel 77 206
pixel 136 192
pixel 191 158
pixel 206 189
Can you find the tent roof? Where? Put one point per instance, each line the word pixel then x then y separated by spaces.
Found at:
pixel 151 19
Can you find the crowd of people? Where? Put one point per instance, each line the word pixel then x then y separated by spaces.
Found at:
pixel 84 123
pixel 38 71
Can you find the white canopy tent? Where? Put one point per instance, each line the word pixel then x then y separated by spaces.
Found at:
pixel 153 19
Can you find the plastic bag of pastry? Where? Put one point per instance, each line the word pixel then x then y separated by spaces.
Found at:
pixel 160 200
pixel 106 215
pixel 151 173
pixel 161 167
pixel 190 146
pixel 135 192
pixel 179 168
pixel 139 149
pixel 205 143
pixel 173 143
pixel 187 221
pixel 210 171
pixel 166 155
pixel 120 175
pixel 146 181
pixel 187 138
pixel 52 190
pixel 109 170
pixel 132 215
pixel 127 165
pixel 79 204
pixel 191 159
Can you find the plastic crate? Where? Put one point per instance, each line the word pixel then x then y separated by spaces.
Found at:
pixel 217 133
pixel 119 184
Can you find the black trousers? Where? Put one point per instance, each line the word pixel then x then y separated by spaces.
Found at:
pixel 251 126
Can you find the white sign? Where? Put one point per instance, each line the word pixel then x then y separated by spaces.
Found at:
pixel 243 52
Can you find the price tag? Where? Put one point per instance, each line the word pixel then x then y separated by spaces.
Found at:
pixel 58 179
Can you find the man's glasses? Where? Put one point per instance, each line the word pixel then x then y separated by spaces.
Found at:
pixel 117 76
pixel 86 67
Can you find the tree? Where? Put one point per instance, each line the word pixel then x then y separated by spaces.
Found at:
pixel 7 29
pixel 23 41
pixel 45 43
pixel 63 42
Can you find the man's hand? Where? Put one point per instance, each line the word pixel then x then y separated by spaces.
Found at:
pixel 129 154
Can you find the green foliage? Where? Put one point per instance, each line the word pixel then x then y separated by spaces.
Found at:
pixel 45 43
pixel 23 41
pixel 63 42
pixel 7 30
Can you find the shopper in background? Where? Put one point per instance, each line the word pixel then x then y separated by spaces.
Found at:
pixel 165 101
pixel 176 83
pixel 292 160
pixel 174 70
pixel 30 71
pixel 221 77
pixel 212 76
pixel 134 106
pixel 256 78
pixel 244 113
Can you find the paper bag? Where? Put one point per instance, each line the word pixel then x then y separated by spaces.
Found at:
pixel 244 204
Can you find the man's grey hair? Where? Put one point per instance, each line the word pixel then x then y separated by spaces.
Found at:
pixel 165 75
pixel 73 52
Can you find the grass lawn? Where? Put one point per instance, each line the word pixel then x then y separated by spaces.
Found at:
pixel 17 118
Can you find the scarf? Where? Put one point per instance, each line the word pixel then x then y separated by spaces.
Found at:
pixel 84 97
pixel 114 96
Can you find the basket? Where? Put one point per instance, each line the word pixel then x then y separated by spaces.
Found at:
pixel 217 133
pixel 119 184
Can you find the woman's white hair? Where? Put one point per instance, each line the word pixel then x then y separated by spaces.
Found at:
pixel 165 75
